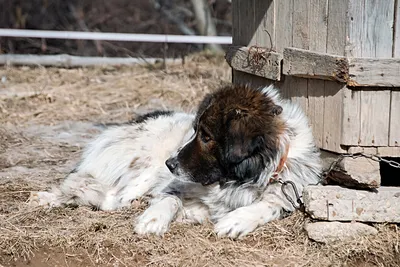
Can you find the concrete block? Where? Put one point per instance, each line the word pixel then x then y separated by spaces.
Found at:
pixel 358 172
pixel 335 203
pixel 331 232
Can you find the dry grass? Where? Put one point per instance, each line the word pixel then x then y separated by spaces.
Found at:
pixel 81 237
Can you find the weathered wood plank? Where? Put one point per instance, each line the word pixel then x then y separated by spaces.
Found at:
pixel 353 71
pixel 390 151
pixel 375 110
pixel 333 107
pixel 377 43
pixel 253 81
pixel 396 48
pixel 318 30
pixel 307 64
pixel 300 35
pixel 255 60
pixel 265 23
pixel 334 203
pixel 283 35
pixel 383 151
pixel 243 28
pixel 352 99
pixel 374 72
pixel 394 133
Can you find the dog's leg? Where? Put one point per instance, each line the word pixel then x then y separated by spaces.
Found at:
pixel 242 221
pixel 157 218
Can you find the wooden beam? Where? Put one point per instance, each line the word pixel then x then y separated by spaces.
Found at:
pixel 374 72
pixel 355 72
pixel 307 64
pixel 255 60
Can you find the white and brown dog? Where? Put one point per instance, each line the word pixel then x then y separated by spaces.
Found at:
pixel 221 164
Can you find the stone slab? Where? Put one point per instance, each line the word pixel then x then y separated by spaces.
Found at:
pixel 335 203
pixel 331 232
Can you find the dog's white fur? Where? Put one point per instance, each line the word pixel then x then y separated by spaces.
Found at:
pixel 127 162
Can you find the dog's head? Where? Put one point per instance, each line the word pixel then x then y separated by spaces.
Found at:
pixel 236 135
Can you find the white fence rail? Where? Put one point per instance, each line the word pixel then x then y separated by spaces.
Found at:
pixel 110 36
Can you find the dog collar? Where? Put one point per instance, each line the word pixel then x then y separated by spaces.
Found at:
pixel 275 177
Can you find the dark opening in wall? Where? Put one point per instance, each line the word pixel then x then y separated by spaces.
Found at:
pixel 390 176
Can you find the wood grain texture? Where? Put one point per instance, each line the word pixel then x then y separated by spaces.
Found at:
pixel 265 18
pixel 283 35
pixel 377 42
pixel 351 122
pixel 333 107
pixel 307 64
pixel 394 131
pixel 373 72
pixel 389 151
pixel 318 30
pixel 394 134
pixel 255 60
pixel 300 30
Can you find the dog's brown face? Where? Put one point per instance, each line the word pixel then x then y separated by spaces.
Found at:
pixel 237 134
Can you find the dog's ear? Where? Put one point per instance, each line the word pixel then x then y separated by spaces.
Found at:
pixel 246 164
pixel 276 110
pixel 204 105
pixel 241 147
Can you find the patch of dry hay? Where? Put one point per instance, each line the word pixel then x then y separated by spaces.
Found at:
pixel 82 237
pixel 50 95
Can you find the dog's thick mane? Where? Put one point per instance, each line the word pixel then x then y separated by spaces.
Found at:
pixel 297 138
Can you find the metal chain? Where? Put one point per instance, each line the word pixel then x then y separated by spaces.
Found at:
pixel 300 204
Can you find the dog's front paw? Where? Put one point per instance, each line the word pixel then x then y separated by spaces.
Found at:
pixel 44 199
pixel 157 218
pixel 236 224
pixel 152 223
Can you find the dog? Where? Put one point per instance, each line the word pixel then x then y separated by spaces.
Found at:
pixel 226 163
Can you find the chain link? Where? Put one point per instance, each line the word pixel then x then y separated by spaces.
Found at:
pixel 325 174
pixel 373 157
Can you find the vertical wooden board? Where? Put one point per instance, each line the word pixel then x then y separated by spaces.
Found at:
pixel 396 50
pixel 250 80
pixel 299 86
pixel 378 31
pixel 265 18
pixel 301 37
pixel 243 26
pixel 283 24
pixel 283 36
pixel 351 123
pixel 394 134
pixel 315 110
pixel 318 26
pixel 377 42
pixel 236 22
pixel 333 107
pixel 374 118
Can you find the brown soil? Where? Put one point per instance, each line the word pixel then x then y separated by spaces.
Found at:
pixel 47 116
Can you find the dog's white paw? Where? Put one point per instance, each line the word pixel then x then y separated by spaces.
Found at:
pixel 237 224
pixel 45 199
pixel 157 218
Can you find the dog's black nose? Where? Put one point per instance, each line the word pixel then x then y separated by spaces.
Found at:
pixel 172 163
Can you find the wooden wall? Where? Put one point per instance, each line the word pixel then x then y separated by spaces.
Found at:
pixel 340 117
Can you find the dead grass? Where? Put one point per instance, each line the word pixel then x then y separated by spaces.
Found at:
pixel 82 237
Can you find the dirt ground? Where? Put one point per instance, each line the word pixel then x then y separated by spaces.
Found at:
pixel 46 117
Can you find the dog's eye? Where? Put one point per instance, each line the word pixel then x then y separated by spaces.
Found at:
pixel 204 136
